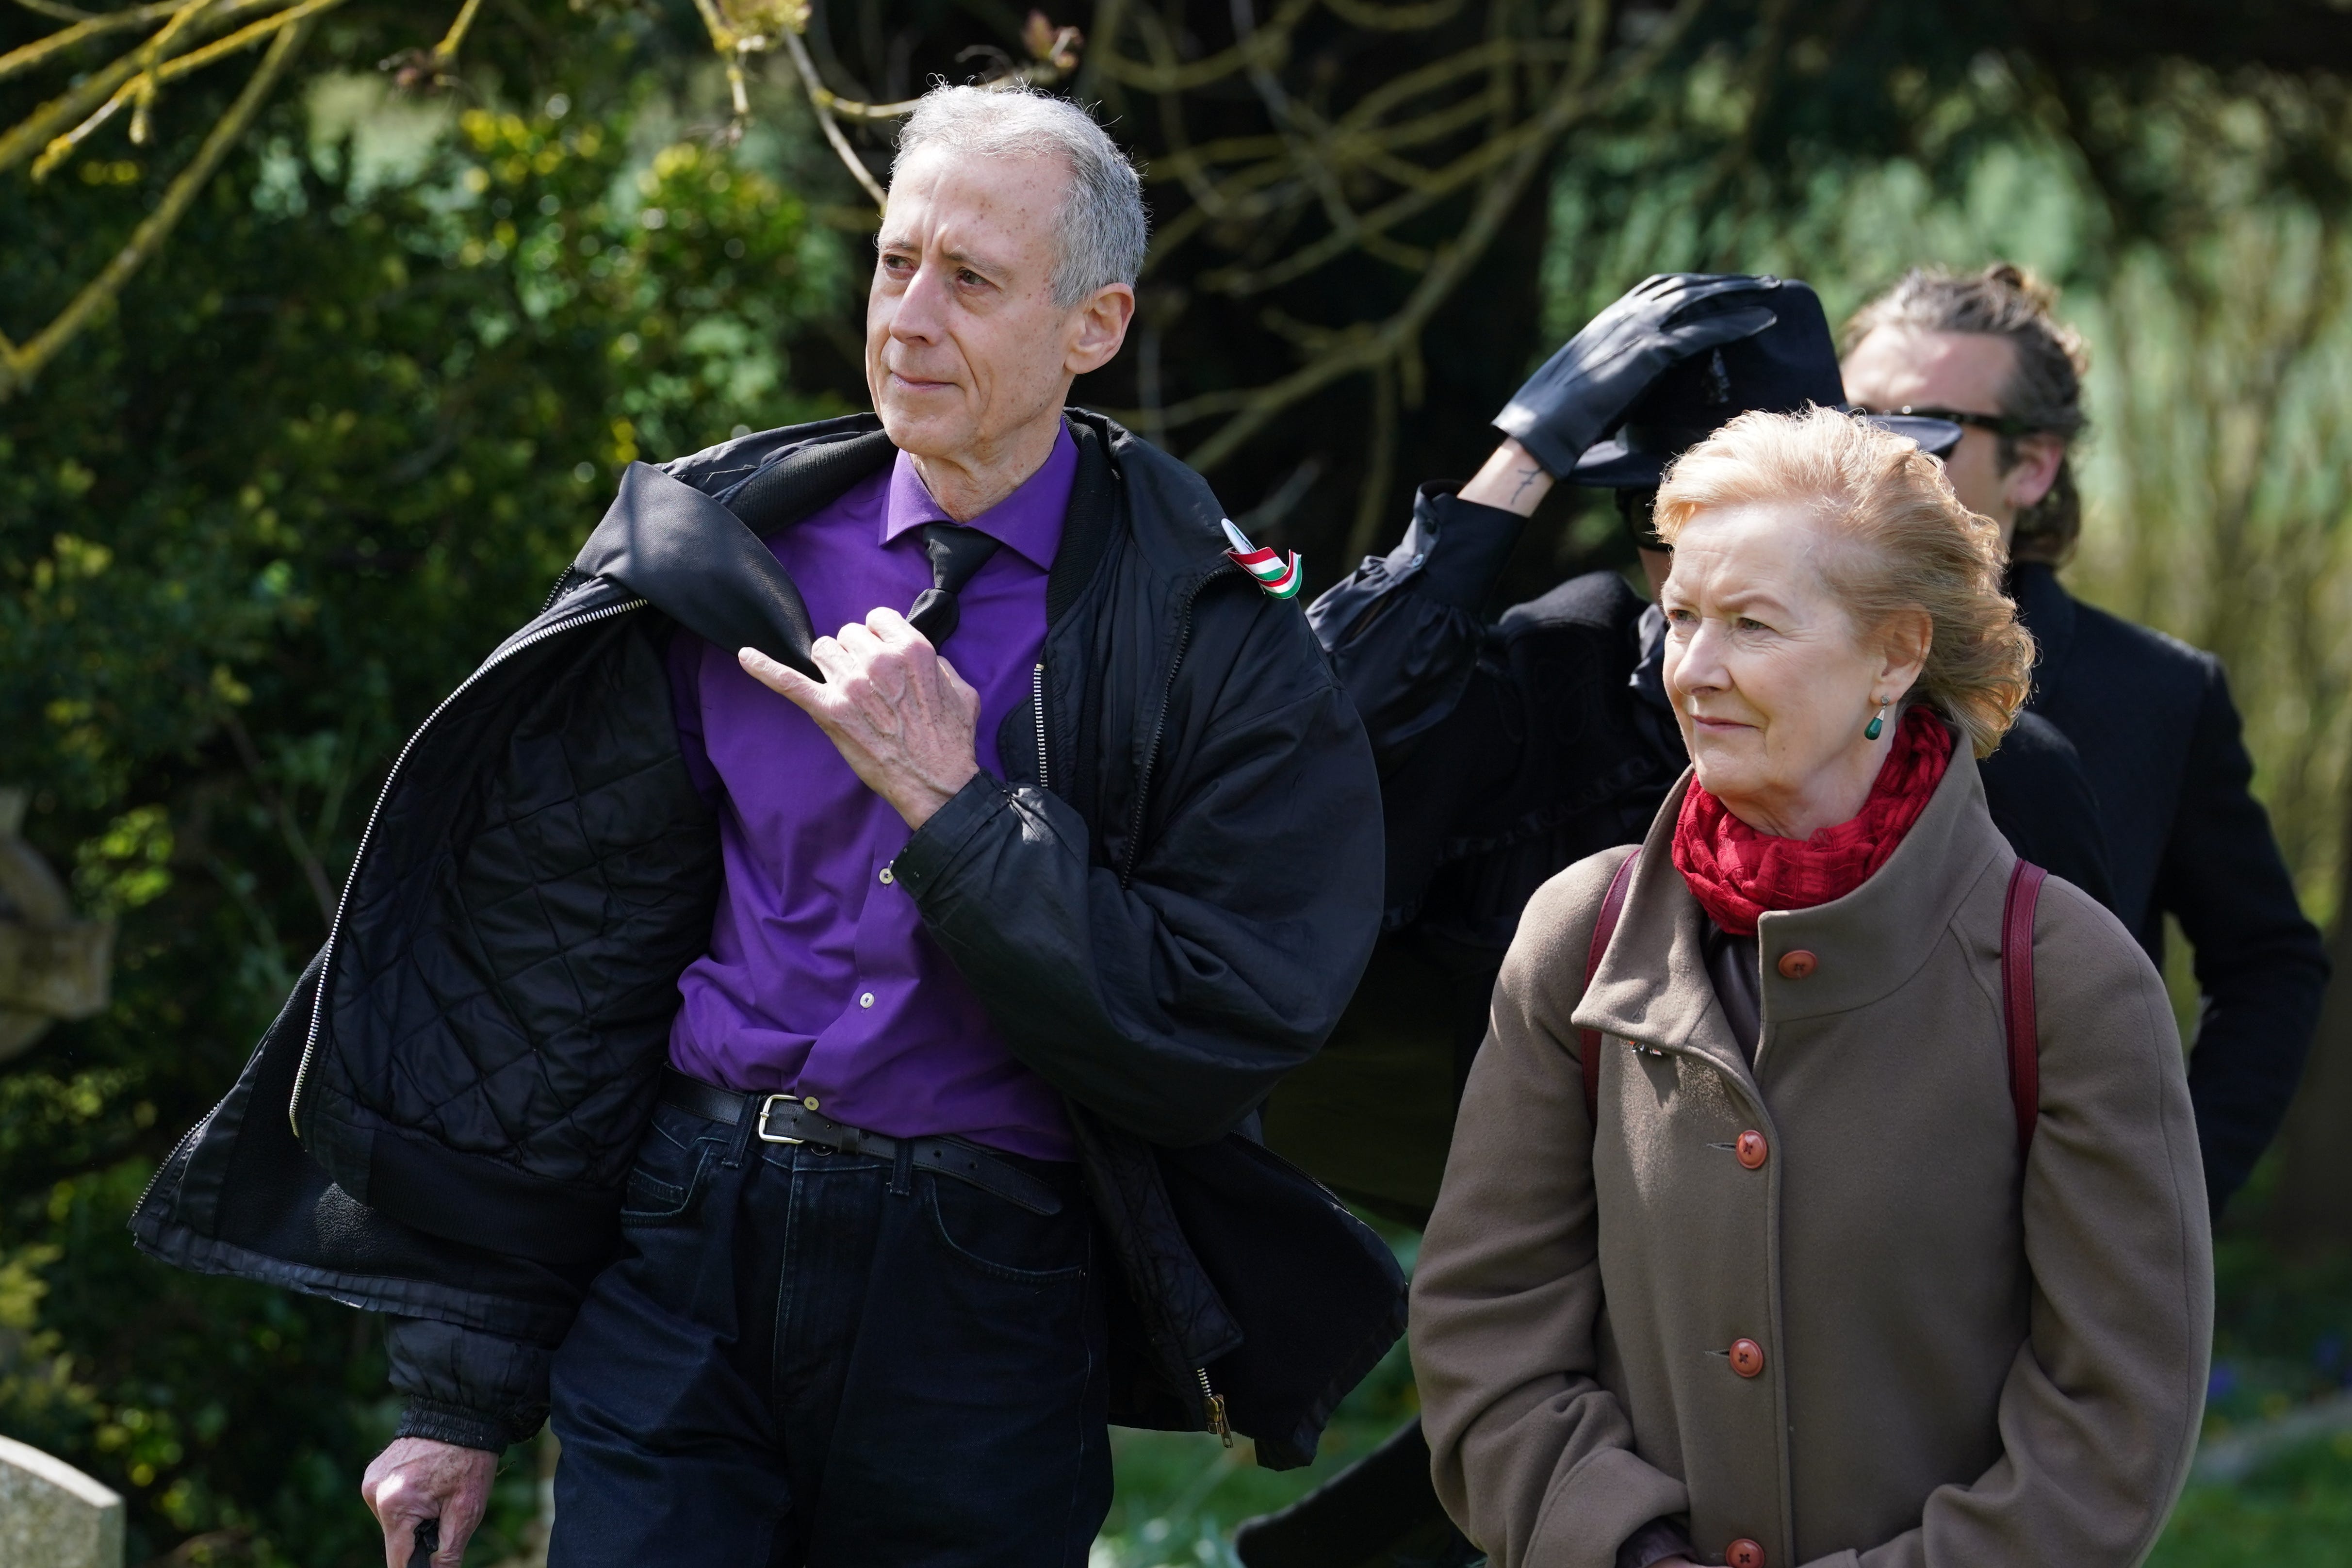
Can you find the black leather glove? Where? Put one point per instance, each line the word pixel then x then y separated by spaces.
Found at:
pixel 1584 388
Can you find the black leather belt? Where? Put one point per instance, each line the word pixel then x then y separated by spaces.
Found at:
pixel 782 1118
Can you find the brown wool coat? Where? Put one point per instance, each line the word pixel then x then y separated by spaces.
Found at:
pixel 1955 1374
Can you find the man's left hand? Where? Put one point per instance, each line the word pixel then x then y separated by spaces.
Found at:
pixel 901 715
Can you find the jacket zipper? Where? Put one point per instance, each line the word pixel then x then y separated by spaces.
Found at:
pixel 1216 1407
pixel 334 929
pixel 1151 753
pixel 1037 700
pixel 188 1138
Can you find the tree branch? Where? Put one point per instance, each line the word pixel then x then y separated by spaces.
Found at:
pixel 25 56
pixel 1363 348
pixel 313 873
pixel 19 365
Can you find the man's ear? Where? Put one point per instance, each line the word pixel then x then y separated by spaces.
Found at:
pixel 1099 327
pixel 2036 470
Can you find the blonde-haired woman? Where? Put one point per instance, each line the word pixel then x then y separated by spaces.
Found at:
pixel 1801 1276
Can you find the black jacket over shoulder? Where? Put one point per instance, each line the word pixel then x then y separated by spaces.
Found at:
pixel 2157 730
pixel 1512 747
pixel 1164 906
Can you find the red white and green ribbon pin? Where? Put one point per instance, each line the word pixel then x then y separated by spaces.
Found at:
pixel 1280 573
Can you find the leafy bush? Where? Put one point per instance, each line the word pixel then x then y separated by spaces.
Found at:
pixel 334 445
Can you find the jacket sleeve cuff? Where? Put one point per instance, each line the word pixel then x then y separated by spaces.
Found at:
pixel 936 844
pixel 459 1426
pixel 1461 546
pixel 473 1389
pixel 1655 1542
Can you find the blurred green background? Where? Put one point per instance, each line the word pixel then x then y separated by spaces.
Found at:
pixel 345 430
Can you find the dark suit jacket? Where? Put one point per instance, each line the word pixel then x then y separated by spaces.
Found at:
pixel 2153 722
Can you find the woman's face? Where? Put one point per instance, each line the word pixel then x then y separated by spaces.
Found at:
pixel 1771 682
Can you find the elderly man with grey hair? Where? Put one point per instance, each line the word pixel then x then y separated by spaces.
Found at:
pixel 824 1067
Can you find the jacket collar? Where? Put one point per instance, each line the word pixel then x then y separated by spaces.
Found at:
pixel 1866 945
pixel 692 545
pixel 1173 515
pixel 2048 612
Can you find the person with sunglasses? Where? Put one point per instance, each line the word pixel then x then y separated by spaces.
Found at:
pixel 2151 717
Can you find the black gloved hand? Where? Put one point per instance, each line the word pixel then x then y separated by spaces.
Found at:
pixel 1666 318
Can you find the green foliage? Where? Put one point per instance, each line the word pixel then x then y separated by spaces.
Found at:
pixel 2295 1512
pixel 128 865
pixel 333 445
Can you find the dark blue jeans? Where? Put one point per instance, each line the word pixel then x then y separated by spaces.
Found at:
pixel 803 1357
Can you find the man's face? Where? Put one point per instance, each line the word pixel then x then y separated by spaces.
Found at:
pixel 965 347
pixel 1897 366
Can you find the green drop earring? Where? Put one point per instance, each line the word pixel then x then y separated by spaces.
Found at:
pixel 1877 725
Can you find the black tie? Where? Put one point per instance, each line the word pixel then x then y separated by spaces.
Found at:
pixel 956 553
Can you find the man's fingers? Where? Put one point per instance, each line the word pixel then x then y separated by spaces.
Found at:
pixel 894 630
pixel 767 671
pixel 400 1522
pixel 832 660
pixel 386 1494
pixel 466 1497
pixel 781 678
pixel 458 1519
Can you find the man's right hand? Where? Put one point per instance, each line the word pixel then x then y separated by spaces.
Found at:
pixel 1662 321
pixel 417 1478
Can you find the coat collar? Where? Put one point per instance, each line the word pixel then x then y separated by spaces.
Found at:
pixel 1866 945
pixel 2048 612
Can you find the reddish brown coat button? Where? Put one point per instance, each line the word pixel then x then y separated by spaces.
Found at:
pixel 1752 1149
pixel 1747 1357
pixel 1796 964
pixel 1743 1553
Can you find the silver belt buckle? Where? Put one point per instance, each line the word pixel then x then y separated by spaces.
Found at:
pixel 766 1106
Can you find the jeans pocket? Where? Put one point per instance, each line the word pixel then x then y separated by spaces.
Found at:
pixel 672 1167
pixel 1004 1240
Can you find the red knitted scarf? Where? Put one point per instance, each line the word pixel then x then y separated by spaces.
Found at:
pixel 1737 873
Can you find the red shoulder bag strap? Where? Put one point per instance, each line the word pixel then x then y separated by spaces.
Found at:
pixel 1612 904
pixel 2017 1000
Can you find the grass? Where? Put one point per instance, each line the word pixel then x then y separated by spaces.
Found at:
pixel 2295 1512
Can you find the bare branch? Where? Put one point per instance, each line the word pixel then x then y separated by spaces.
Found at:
pixel 455 38
pixel 142 88
pixel 1373 499
pixel 823 98
pixel 186 26
pixel 297 844
pixel 52 9
pixel 19 365
pixel 824 109
pixel 26 56
pixel 1363 348
pixel 1268 45
pixel 1393 19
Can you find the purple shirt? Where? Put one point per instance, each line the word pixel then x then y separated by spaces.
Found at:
pixel 820 981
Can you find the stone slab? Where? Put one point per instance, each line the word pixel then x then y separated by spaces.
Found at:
pixel 53 1515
